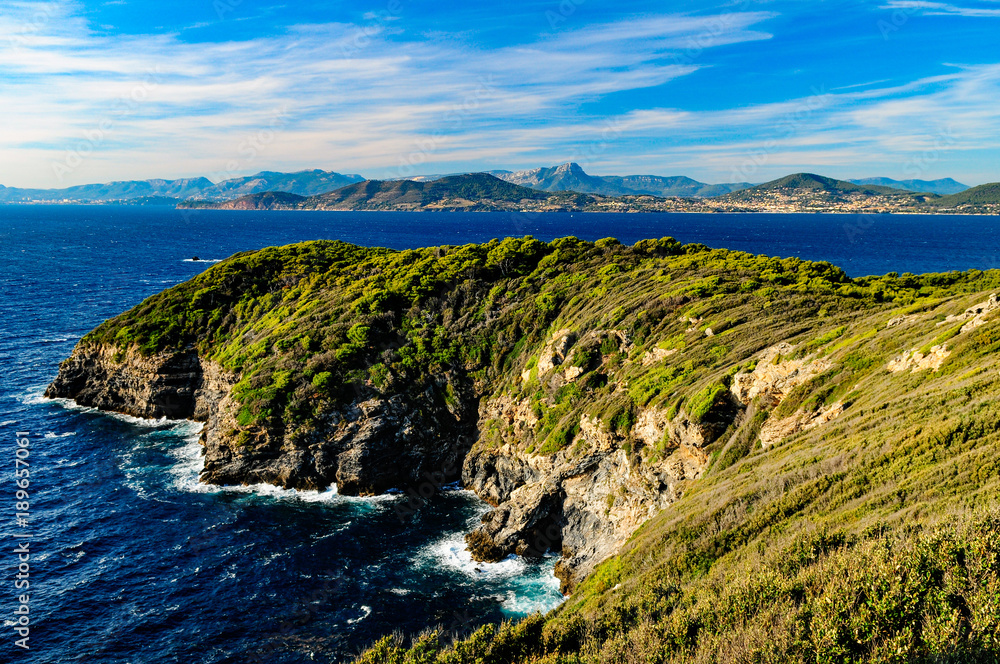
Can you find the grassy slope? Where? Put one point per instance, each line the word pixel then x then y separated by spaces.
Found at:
pixel 835 545
pixel 311 325
pixel 860 541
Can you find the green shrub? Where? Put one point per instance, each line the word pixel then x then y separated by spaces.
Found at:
pixel 323 381
pixel 701 404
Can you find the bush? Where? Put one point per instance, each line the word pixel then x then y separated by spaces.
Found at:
pixel 323 381
pixel 701 404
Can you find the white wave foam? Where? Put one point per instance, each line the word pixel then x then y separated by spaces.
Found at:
pixel 525 587
pixel 190 463
pixel 51 435
pixel 203 260
pixel 7 423
pixel 141 421
pixel 35 398
pixel 537 594
pixel 365 612
pixel 451 552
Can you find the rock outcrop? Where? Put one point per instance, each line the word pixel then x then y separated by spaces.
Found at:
pixel 171 385
pixel 554 352
pixel 976 315
pixel 657 355
pixel 365 448
pixel 588 498
pixel 776 375
pixel 914 360
pixel 776 430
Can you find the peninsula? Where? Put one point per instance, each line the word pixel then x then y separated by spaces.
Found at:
pixel 735 456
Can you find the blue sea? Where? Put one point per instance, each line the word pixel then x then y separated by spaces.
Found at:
pixel 132 560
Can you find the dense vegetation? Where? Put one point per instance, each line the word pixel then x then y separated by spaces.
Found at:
pixel 907 597
pixel 311 325
pixel 985 194
pixel 865 539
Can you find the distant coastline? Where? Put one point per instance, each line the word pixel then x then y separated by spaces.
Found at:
pixel 564 188
pixel 483 192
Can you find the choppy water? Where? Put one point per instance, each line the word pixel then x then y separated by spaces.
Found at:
pixel 134 561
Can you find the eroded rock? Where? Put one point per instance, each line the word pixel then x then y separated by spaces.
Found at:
pixel 365 448
pixel 774 377
pixel 914 360
pixel 976 315
pixel 776 430
pixel 586 500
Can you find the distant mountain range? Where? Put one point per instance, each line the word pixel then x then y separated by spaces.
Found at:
pixel 801 192
pixel 566 177
pixel 471 192
pixel 303 183
pixel 571 177
pixel 112 191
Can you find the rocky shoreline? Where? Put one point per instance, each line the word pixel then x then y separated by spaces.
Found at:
pixel 583 502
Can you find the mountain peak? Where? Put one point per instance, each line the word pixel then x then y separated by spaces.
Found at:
pixel 572 168
pixel 571 176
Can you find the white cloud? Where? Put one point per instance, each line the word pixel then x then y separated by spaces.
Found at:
pixel 941 9
pixel 355 98
pixel 318 96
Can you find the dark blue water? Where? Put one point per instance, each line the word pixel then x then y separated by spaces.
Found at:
pixel 133 561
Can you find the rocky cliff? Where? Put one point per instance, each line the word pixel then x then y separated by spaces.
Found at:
pixel 587 499
pixel 175 385
pixel 583 501
pixel 366 447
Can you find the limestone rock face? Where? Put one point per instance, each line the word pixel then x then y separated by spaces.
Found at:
pixel 773 377
pixel 586 500
pixel 554 352
pixel 914 360
pixel 976 315
pixel 171 385
pixel 657 355
pixel 900 320
pixel 771 381
pixel 774 431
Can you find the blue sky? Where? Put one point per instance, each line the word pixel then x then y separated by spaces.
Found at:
pixel 742 90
